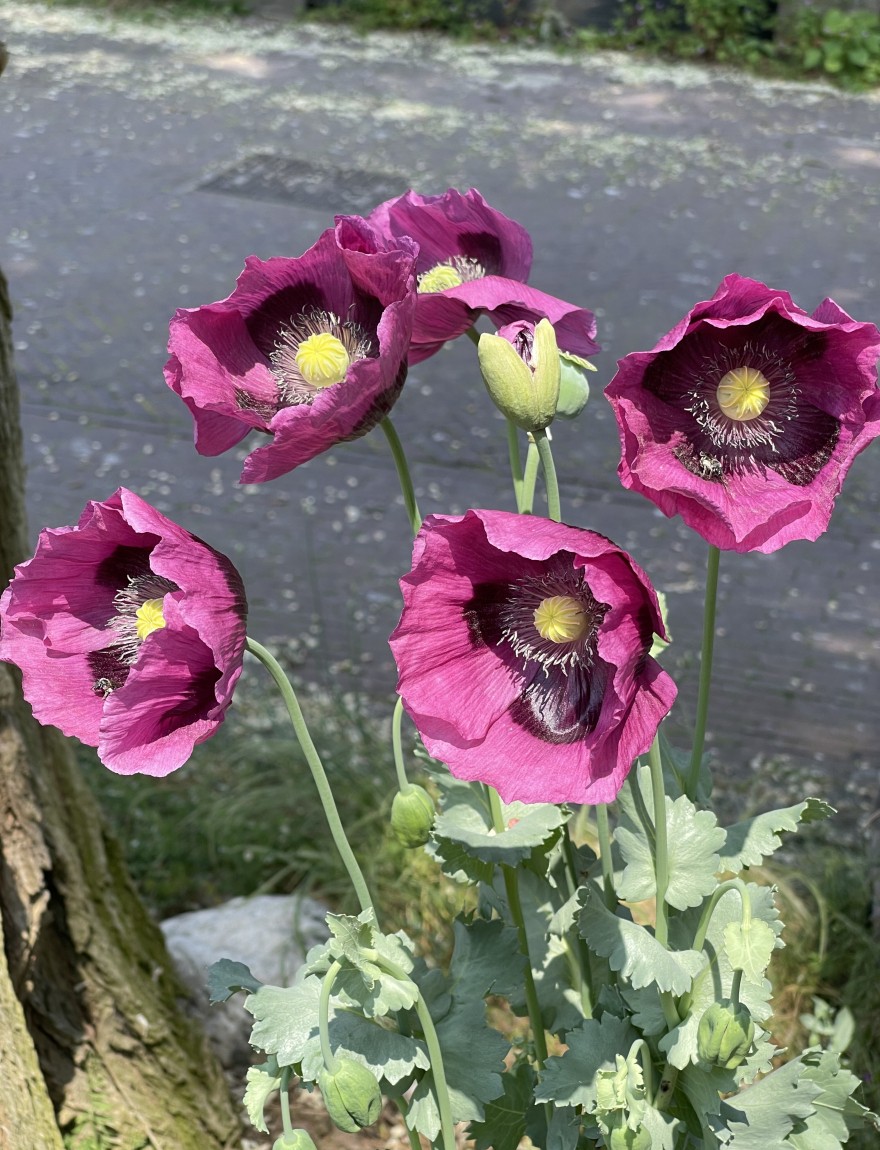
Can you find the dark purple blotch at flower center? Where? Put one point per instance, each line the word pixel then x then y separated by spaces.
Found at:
pixel 557 662
pixel 772 423
pixel 133 612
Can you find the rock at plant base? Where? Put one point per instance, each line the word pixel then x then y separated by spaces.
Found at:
pixel 269 933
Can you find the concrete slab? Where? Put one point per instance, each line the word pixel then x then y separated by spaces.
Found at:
pixel 642 185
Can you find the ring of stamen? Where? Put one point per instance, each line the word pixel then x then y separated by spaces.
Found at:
pixel 450 273
pixel 314 351
pixel 552 619
pixel 139 612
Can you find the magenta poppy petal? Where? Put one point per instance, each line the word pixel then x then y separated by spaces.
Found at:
pixel 167 706
pixel 750 478
pixel 460 224
pixel 72 620
pixel 542 719
pixel 235 363
pixel 441 316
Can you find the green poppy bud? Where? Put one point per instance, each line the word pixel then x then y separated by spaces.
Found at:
pixel 574 387
pixel 412 816
pixel 725 1034
pixel 295 1140
pixel 623 1138
pixel 523 376
pixel 351 1095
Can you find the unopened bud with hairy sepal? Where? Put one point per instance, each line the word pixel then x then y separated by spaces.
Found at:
pixel 574 387
pixel 624 1138
pixel 520 368
pixel 295 1140
pixel 351 1095
pixel 412 816
pixel 725 1034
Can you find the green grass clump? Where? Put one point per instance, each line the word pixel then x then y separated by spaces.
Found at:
pixel 831 954
pixel 243 817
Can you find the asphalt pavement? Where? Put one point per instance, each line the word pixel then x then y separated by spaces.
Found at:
pixel 141 163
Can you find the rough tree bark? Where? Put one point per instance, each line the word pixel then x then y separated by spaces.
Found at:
pixel 92 1043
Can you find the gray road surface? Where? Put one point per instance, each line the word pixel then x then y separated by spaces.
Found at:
pixel 140 165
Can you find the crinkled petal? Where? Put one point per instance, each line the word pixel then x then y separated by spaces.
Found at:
pixel 441 316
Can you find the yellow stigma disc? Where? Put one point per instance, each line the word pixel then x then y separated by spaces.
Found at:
pixel 149 618
pixel 561 619
pixel 743 393
pixel 322 360
pixel 439 278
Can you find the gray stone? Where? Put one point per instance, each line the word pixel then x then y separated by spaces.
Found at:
pixel 270 934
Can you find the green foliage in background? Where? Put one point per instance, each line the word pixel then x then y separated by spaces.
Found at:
pixel 843 45
pixel 704 29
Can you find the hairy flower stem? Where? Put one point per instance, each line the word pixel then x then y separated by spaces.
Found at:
pixel 583 972
pixel 661 848
pixel 324 1016
pixel 511 887
pixel 530 478
pixel 403 475
pixel 554 509
pixel 284 1098
pixel 705 670
pixel 403 782
pixel 604 833
pixel 516 472
pixel 318 773
pixel 441 1090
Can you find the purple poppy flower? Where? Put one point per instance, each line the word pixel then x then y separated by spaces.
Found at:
pixel 311 351
pixel 746 417
pixel 129 633
pixel 523 653
pixel 473 261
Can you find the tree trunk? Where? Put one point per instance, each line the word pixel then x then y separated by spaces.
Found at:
pixel 92 1043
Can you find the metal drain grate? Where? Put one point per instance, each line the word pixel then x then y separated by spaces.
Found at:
pixel 267 176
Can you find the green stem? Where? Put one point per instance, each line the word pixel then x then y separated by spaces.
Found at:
pixel 403 782
pixel 406 483
pixel 284 1098
pixel 530 478
pixel 435 1054
pixel 661 847
pixel 604 832
pixel 736 884
pixel 705 669
pixel 415 1142
pixel 516 471
pixel 318 773
pixel 511 887
pixel 584 970
pixel 735 985
pixel 324 1016
pixel 554 508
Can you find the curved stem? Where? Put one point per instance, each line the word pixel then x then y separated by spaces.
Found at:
pixel 736 884
pixel 641 1047
pixel 406 483
pixel 403 782
pixel 435 1054
pixel 516 471
pixel 735 985
pixel 530 478
pixel 511 887
pixel 705 670
pixel 661 847
pixel 324 1016
pixel 318 773
pixel 604 833
pixel 554 508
